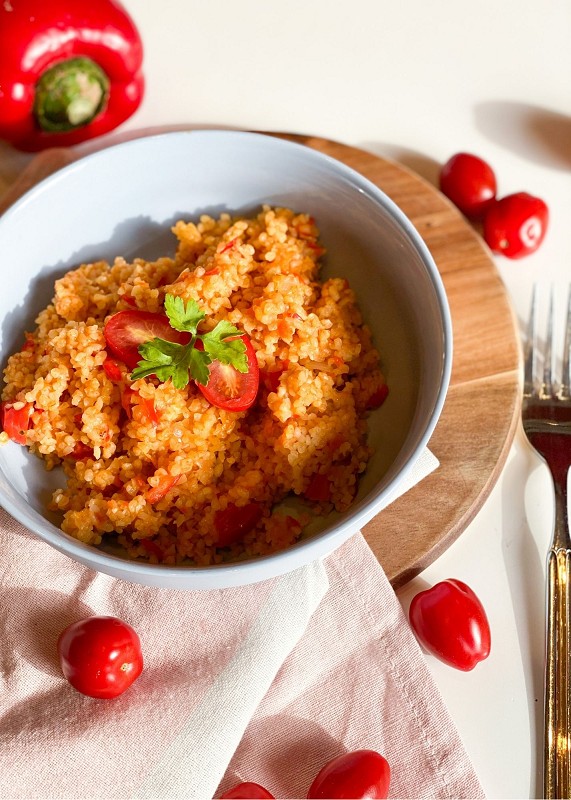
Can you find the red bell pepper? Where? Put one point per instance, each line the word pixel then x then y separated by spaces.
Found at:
pixel 69 71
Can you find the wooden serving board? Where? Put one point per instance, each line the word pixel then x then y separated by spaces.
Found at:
pixel 480 416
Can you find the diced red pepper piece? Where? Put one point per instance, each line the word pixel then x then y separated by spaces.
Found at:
pixel 29 344
pixel 284 328
pixel 141 482
pixel 271 378
pixel 305 230
pixel 112 370
pixel 319 251
pixel 335 443
pixel 152 548
pixel 234 522
pixel 129 398
pixel 318 489
pixel 378 397
pixel 16 421
pixel 164 486
pixel 149 412
pixel 81 451
pixel 229 245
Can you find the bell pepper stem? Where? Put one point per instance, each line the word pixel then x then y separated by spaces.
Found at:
pixel 70 94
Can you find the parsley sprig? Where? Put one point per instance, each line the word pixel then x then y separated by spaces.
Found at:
pixel 183 362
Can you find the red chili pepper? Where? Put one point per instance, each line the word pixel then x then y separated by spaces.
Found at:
pixel 69 71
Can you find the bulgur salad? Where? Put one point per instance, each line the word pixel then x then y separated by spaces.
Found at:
pixel 187 397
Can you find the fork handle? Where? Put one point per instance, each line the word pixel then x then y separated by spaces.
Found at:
pixel 557 760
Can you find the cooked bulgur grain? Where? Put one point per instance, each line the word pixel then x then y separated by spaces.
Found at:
pixel 165 480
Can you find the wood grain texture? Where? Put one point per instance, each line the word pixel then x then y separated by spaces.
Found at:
pixel 37 169
pixel 479 419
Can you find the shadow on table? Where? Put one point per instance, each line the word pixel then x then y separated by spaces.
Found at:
pixel 421 164
pixel 537 134
pixel 292 750
pixel 526 578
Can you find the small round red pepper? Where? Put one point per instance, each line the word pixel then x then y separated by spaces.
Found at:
pixel 449 620
pixel 69 71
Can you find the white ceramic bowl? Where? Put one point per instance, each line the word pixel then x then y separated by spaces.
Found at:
pixel 123 200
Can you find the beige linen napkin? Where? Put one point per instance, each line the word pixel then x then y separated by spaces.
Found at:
pixel 263 682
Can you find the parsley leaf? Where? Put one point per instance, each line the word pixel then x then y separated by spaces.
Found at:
pixel 218 347
pixel 198 366
pixel 181 317
pixel 184 362
pixel 165 360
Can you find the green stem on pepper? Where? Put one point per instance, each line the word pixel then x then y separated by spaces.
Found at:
pixel 69 71
pixel 70 94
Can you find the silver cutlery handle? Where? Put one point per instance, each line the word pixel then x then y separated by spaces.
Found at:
pixel 557 756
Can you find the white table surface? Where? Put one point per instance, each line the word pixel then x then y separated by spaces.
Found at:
pixel 414 81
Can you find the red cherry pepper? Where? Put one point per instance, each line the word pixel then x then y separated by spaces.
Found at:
pixel 69 71
pixel 451 623
pixel 516 225
pixel 357 774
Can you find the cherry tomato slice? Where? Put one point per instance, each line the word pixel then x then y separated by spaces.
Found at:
pixel 358 774
pixel 247 791
pixel 516 225
pixel 470 183
pixel 100 656
pixel 232 390
pixel 234 522
pixel 16 421
pixel 450 621
pixel 125 331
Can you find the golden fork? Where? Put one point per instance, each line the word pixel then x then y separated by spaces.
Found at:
pixel 546 416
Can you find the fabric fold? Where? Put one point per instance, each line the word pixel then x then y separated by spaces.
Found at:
pixel 193 764
pixel 263 682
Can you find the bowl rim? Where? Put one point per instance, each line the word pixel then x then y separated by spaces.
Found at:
pixel 322 543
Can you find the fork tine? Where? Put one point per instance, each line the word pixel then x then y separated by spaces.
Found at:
pixel 547 388
pixel 529 353
pixel 566 368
